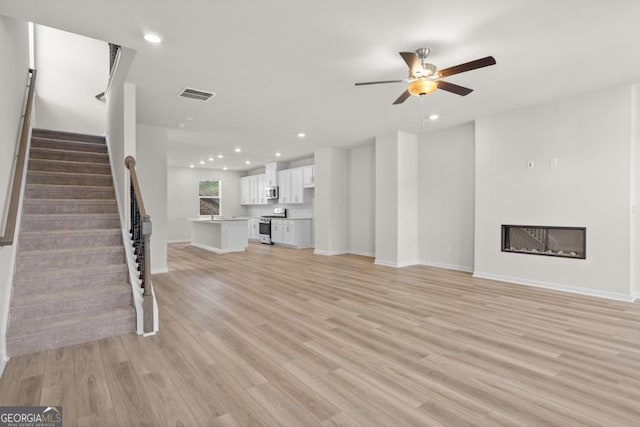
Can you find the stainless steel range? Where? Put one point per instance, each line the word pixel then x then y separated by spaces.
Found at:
pixel 265 224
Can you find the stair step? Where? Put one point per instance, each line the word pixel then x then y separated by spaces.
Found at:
pixel 69 206
pixel 67 136
pixel 29 283
pixel 61 144
pixel 28 309
pixel 73 156
pixel 69 329
pixel 68 239
pixel 53 191
pixel 68 166
pixel 69 222
pixel 65 178
pixel 44 260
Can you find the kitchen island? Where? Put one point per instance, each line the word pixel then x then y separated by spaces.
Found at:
pixel 220 235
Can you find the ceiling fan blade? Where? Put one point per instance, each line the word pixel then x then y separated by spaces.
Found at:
pixel 413 61
pixel 453 88
pixel 379 83
pixel 468 66
pixel 402 97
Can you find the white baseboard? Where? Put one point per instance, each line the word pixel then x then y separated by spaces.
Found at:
pixel 447 266
pixel 3 362
pixel 363 253
pixel 328 253
pixel 179 241
pixel 395 264
pixel 556 287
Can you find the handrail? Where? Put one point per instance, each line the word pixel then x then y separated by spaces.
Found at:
pixel 14 201
pixel 140 235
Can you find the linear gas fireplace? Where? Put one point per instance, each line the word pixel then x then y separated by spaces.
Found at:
pixel 566 242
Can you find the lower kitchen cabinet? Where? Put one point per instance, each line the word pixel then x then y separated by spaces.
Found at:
pixel 254 229
pixel 292 232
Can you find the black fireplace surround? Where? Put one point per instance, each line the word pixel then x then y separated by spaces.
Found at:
pixel 564 242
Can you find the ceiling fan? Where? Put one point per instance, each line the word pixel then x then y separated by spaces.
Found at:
pixel 424 78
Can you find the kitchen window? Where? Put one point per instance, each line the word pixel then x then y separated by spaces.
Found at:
pixel 209 195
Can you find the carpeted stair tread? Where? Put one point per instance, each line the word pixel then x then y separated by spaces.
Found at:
pixel 68 166
pixel 66 178
pixel 71 329
pixel 77 156
pixel 91 276
pixel 56 259
pixel 69 136
pixel 71 294
pixel 65 144
pixel 69 206
pixel 53 191
pixel 68 233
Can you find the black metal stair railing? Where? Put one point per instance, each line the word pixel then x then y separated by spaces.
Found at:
pixel 140 231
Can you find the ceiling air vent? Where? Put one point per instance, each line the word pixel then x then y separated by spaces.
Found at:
pixel 198 95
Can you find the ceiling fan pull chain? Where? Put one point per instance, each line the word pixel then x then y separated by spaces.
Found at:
pixel 421 112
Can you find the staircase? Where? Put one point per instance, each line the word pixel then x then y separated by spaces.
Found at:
pixel 71 279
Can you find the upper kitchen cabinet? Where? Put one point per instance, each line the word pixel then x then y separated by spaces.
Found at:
pixel 291 186
pixel 245 190
pixel 308 176
pixel 252 190
pixel 271 174
pixel 284 184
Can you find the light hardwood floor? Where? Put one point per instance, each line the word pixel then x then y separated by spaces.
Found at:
pixel 281 337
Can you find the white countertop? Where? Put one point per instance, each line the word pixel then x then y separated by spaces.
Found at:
pixel 217 220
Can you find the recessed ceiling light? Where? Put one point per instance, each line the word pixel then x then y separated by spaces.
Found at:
pixel 248 162
pixel 220 156
pixel 181 125
pixel 152 38
pixel 224 168
pixel 202 162
pixel 188 118
pixel 211 159
pixel 278 154
pixel 237 149
pixel 302 135
pixel 434 117
pixel 191 166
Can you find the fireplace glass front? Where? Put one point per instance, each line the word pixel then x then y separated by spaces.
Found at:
pixel 566 242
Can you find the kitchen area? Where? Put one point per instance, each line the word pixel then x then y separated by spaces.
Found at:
pixel 270 204
pixel 279 204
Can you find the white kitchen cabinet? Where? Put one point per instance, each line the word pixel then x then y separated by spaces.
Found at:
pixel 253 186
pixel 290 188
pixel 271 174
pixel 296 189
pixel 295 232
pixel 260 183
pixel 245 190
pixel 254 229
pixel 308 176
pixel 277 231
pixel 284 182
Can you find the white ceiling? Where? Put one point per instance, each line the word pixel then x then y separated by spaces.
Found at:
pixel 280 67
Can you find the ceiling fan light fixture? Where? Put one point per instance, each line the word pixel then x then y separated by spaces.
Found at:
pixel 422 87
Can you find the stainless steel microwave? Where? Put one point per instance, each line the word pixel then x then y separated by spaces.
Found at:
pixel 271 192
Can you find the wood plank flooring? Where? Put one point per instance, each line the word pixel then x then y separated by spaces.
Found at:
pixel 282 337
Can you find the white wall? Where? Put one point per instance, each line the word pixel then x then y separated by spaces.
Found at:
pixel 182 197
pixel 151 166
pixel 635 192
pixel 446 197
pixel 121 122
pixel 72 70
pixel 386 198
pixel 362 200
pixel 407 199
pixel 331 205
pixel 591 137
pixel 14 45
